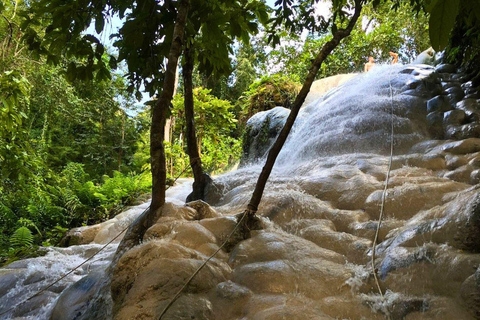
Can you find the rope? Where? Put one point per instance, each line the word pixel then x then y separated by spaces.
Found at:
pixel 382 204
pixel 81 264
pixel 202 266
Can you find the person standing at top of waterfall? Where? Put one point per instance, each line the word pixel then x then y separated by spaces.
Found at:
pixel 394 57
pixel 369 64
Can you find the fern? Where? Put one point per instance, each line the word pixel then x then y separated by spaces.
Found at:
pixel 22 237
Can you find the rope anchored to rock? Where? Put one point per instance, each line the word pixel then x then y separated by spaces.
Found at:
pixel 384 194
pixel 185 285
pixel 84 262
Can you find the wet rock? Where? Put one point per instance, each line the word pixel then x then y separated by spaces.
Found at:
pixel 455 94
pixel 448 84
pixel 400 258
pixel 8 279
pixel 470 293
pixel 340 307
pixel 445 68
pixel 397 305
pixel 407 175
pixel 153 272
pixel 455 223
pixel 231 291
pixel 432 161
pixel 470 106
pixel 405 201
pixel 352 247
pixel 439 104
pixel 474 160
pixel 73 302
pixel 261 131
pixel 367 229
pixel 472 96
pixel 34 277
pixel 229 299
pixel 374 169
pixel 454 161
pixel 81 235
pixel 475 176
pixel 470 145
pixel 461 174
pixel 469 130
pixel 454 117
pixel 203 209
pixel 288 276
pixel 267 246
pixel 189 306
pixel 193 235
pixel 427 146
pixel 440 270
pixel 468 232
pixel 298 312
pixel 31 307
pixel 346 189
pixel 220 227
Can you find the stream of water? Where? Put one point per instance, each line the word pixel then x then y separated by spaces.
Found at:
pixel 312 259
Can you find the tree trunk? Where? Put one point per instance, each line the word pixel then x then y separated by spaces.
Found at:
pixel 327 48
pixel 157 152
pixel 200 178
pixel 122 142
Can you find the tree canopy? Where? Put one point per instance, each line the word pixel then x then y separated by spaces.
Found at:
pixel 75 132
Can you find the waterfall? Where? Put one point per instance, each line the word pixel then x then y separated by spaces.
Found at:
pixel 22 279
pixel 319 214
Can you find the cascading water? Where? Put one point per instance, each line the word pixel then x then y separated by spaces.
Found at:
pixel 22 279
pixel 319 213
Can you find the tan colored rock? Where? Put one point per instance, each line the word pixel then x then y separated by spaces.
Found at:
pixel 466 146
pixel 352 247
pixel 414 175
pixel 427 161
pixel 81 235
pixel 306 277
pixel 455 161
pixel 203 209
pixel 475 176
pixel 345 307
pixel 470 292
pixel 345 189
pixel 221 227
pixel 153 272
pixel 268 246
pixel 403 202
pixel 367 229
pixel 285 207
pixel 461 174
pixel 193 235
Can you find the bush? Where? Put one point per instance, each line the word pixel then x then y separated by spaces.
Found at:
pixel 59 202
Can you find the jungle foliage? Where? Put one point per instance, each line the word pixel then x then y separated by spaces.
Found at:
pixel 66 147
pixel 71 153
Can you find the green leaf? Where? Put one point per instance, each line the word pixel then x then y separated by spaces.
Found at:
pixel 442 20
pixel 22 237
pixel 71 71
pixel 99 23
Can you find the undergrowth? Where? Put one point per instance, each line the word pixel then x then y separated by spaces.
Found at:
pixel 39 212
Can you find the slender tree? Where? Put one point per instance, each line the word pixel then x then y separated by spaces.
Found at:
pixel 209 42
pixel 200 178
pixel 328 47
pixel 157 134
